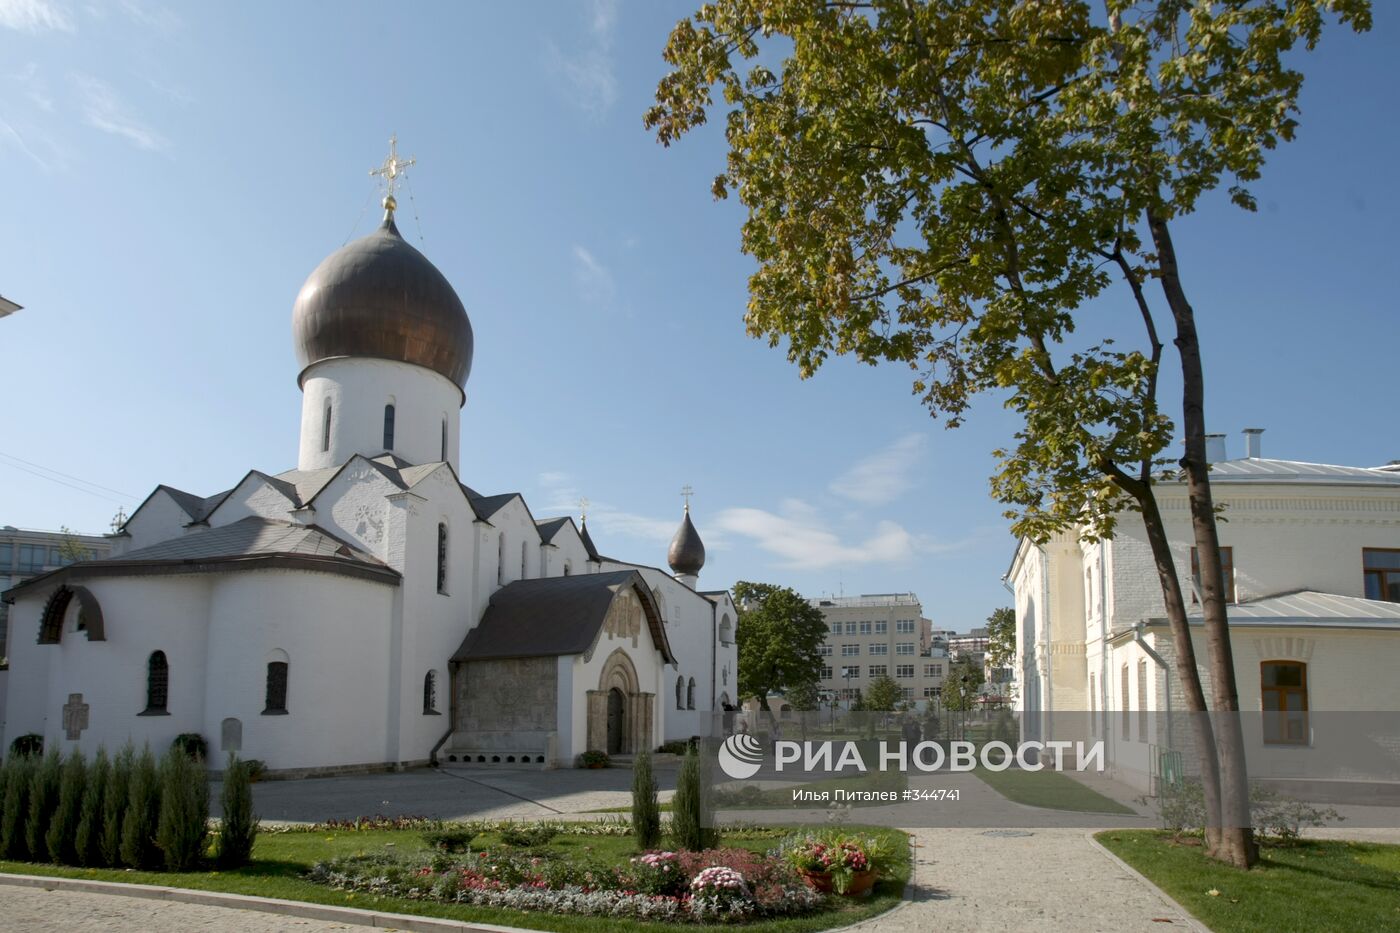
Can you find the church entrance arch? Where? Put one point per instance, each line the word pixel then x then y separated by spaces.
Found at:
pixel 619 714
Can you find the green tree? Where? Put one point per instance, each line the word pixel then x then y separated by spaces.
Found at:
pixel 945 185
pixel 43 801
pixel 61 836
pixel 70 549
pixel 238 827
pixel 778 636
pixel 646 811
pixel 182 827
pixel 689 808
pixel 1001 638
pixel 87 840
pixel 962 685
pixel 138 837
pixel 883 695
pixel 114 805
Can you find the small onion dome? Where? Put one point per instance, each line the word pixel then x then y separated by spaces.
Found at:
pixel 687 554
pixel 379 297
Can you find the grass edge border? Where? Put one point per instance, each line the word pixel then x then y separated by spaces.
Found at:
pixel 1195 924
pixel 308 910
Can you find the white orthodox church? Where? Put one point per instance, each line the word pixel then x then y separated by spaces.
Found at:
pixel 367 610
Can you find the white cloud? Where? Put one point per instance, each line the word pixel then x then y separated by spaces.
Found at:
pixel 604 520
pixel 104 109
pixel 803 542
pixel 34 16
pixel 152 16
pixel 884 475
pixel 594 280
pixel 589 76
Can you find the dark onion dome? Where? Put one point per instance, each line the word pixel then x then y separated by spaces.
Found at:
pixel 687 554
pixel 379 297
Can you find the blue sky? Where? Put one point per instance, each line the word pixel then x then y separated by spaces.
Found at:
pixel 173 173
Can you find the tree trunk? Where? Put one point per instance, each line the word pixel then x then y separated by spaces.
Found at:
pixel 1186 670
pixel 1237 838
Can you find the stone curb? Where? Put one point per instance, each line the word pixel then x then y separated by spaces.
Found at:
pixel 302 909
pixel 1191 922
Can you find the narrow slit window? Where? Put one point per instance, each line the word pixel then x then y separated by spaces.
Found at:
pixel 326 431
pixel 276 699
pixel 442 559
pixel 388 427
pixel 157 683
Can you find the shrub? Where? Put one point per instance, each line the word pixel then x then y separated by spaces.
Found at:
pixel 114 804
pixel 138 848
pixel 43 800
pixel 183 827
pixel 528 834
pixel 192 744
pixel 87 838
pixel 450 840
pixel 646 811
pixel 594 759
pixel 689 814
pixel 1182 810
pixel 19 771
pixel 63 826
pixel 675 747
pixel 29 745
pixel 240 824
pixel 256 769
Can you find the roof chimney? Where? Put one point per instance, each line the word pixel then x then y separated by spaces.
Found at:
pixel 1215 448
pixel 1252 445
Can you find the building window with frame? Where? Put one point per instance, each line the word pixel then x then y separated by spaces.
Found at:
pixel 879 670
pixel 827 672
pixel 824 651
pixel 1142 700
pixel 865 628
pixel 850 651
pixel 1227 570
pixel 157 685
pixel 904 627
pixel 1123 705
pixel 1283 694
pixel 1381 569
pixel 880 649
pixel 430 694
pixel 680 693
pixel 851 670
pixel 442 558
pixel 389 427
pixel 882 628
pixel 904 671
pixel 276 693
pixel 933 670
pixel 690 694
pixel 904 647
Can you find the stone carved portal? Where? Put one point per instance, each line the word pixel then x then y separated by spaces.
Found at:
pixel 620 715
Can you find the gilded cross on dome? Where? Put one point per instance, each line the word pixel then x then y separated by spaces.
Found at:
pixel 686 493
pixel 392 168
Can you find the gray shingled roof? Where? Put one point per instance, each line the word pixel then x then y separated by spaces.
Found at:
pixel 196 507
pixel 1257 470
pixel 550 527
pixel 555 616
pixel 1313 608
pixel 247 537
pixel 486 506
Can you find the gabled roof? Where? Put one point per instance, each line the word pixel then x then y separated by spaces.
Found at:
pixel 249 543
pixel 196 507
pixel 1258 470
pixel 486 506
pixel 549 527
pixel 555 616
pixel 1311 608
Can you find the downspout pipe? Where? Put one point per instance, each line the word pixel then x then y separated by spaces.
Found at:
pixel 1166 673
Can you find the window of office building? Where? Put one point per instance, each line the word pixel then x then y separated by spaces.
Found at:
pixel 850 651
pixel 880 649
pixel 882 628
pixel 824 650
pixel 865 628
pixel 904 647
pixel 904 627
pixel 904 671
pixel 879 670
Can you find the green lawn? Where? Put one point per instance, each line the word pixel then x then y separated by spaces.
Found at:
pixel 279 860
pixel 1317 886
pixel 1049 789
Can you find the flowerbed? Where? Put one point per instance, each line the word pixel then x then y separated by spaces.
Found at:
pixel 843 862
pixel 718 885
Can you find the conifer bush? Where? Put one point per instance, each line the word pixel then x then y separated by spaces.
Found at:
pixel 63 824
pixel 646 811
pixel 43 801
pixel 138 845
pixel 114 803
pixel 87 838
pixel 19 774
pixel 688 831
pixel 183 826
pixel 240 824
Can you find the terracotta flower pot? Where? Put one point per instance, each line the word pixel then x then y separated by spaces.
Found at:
pixel 861 882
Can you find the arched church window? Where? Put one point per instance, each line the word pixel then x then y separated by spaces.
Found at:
pixel 568 568
pixel 326 430
pixel 157 684
pixel 442 559
pixel 680 693
pixel 276 688
pixel 444 439
pixel 388 427
pixel 501 561
pixel 690 694
pixel 430 694
pixel 524 557
pixel 726 631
